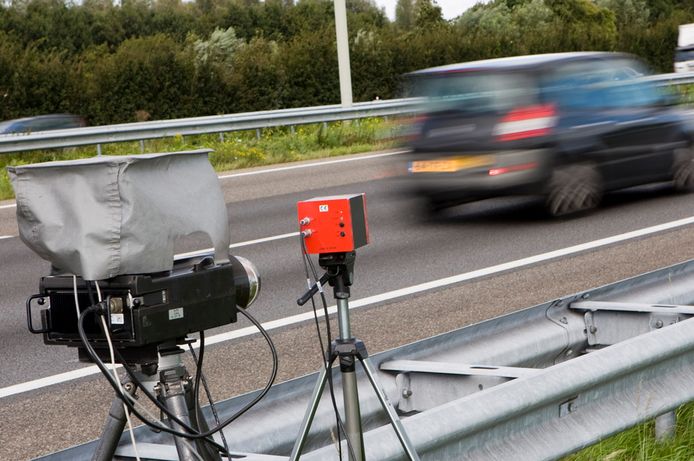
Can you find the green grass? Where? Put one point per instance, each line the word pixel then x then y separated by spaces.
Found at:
pixel 639 444
pixel 237 149
pixel 685 94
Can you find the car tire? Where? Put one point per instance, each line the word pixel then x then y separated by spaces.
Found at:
pixel 683 170
pixel 573 189
pixel 431 207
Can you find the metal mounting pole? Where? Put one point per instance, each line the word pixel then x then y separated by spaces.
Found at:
pixel 350 392
pixel 343 53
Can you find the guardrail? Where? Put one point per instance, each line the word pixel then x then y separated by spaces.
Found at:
pixel 141 131
pixel 105 134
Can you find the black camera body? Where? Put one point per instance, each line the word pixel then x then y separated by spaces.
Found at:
pixel 143 311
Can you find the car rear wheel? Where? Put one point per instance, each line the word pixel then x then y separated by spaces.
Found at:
pixel 683 176
pixel 573 189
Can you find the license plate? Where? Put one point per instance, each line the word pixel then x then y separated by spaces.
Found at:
pixel 450 165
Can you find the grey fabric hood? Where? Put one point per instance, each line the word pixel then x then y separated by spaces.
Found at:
pixel 113 215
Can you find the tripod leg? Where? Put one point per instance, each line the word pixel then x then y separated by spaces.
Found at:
pixel 113 429
pixel 173 396
pixel 405 441
pixel 208 452
pixel 310 413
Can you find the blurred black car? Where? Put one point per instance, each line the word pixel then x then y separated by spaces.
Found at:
pixel 41 123
pixel 566 126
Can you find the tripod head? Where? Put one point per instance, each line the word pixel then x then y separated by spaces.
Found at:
pixel 339 274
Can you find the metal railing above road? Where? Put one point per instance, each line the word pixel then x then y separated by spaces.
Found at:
pixel 141 131
pixel 106 134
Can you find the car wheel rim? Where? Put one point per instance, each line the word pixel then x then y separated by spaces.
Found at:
pixel 572 190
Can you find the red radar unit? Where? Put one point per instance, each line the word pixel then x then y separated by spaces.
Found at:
pixel 334 224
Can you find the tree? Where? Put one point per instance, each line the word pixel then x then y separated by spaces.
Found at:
pixel 427 14
pixel 220 48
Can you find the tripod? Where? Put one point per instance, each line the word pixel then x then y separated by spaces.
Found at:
pixel 348 349
pixel 172 385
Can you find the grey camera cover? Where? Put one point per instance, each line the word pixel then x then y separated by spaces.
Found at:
pixel 113 215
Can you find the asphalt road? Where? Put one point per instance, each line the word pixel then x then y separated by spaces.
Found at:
pixel 405 250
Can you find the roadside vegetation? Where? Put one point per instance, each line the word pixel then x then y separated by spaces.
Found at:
pixel 639 444
pixel 115 62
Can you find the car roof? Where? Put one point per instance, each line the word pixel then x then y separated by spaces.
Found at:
pixel 43 117
pixel 518 62
pixel 19 125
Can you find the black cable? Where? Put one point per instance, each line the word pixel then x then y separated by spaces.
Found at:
pixel 109 377
pixel 207 389
pixel 328 363
pixel 249 405
pixel 198 372
pixel 126 400
pixel 304 257
pixel 325 353
pixel 194 434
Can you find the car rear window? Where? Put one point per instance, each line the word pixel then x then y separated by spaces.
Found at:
pixel 475 91
pixel 607 84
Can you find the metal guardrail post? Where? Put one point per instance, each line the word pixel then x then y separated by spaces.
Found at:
pixel 665 426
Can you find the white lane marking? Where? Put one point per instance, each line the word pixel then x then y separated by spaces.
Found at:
pixel 309 165
pixel 237 245
pixel 263 240
pixel 6 236
pixel 390 295
pixel 48 381
pixel 11 205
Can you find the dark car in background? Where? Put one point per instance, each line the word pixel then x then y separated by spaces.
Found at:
pixel 566 126
pixel 41 123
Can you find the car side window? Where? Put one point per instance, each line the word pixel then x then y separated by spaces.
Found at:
pixel 605 84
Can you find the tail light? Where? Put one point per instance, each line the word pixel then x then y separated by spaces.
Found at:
pixel 526 122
